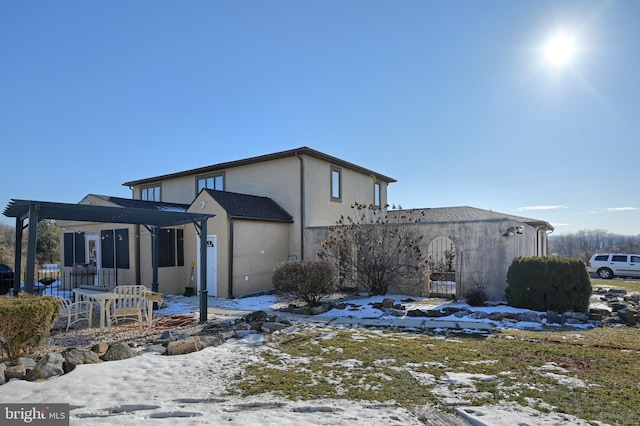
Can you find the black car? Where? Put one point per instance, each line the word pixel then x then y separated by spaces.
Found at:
pixel 6 278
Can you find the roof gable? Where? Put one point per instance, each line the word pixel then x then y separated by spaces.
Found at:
pixel 249 207
pixel 262 158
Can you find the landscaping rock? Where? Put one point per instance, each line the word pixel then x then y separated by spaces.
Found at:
pixel 155 348
pixel 388 303
pixel 462 313
pixel 318 310
pixel 529 317
pixel 3 367
pixel 100 348
pixel 478 315
pixel 396 312
pixel 271 327
pixel 118 351
pixel 554 318
pixel 29 363
pixel 628 316
pixel 417 313
pixel 579 316
pixel 78 356
pixel 49 365
pixel 256 316
pixel 15 372
pixel 211 340
pixel 169 335
pixel 184 346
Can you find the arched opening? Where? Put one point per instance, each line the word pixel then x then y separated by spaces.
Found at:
pixel 442 262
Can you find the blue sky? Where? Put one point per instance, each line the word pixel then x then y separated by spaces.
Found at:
pixel 454 99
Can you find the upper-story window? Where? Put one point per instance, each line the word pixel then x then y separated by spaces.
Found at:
pixel 150 193
pixel 336 184
pixel 211 182
pixel 377 194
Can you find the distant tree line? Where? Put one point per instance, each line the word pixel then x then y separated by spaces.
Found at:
pixel 584 244
pixel 47 244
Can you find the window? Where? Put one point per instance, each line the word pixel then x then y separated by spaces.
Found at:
pixel 151 193
pixel 618 258
pixel 602 257
pixel 211 182
pixel 115 248
pixel 635 259
pixel 171 247
pixel 74 250
pixel 336 184
pixel 377 195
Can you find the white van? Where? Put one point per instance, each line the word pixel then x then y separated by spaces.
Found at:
pixel 609 265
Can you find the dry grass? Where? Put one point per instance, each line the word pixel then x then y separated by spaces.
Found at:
pixel 594 374
pixel 632 286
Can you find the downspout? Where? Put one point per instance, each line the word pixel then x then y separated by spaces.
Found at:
pixel 301 206
pixel 230 290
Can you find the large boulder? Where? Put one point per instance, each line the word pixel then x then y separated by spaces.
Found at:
pixel 49 365
pixel 78 356
pixel 118 351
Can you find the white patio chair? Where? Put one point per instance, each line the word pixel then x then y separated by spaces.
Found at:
pixel 73 312
pixel 128 302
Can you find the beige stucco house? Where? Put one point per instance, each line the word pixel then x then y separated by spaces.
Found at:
pixel 263 207
pixel 278 207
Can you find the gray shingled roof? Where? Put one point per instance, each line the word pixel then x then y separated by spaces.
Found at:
pixel 465 214
pixel 243 206
pixel 141 204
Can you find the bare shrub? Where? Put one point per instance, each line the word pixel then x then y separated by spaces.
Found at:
pixel 374 251
pixel 309 281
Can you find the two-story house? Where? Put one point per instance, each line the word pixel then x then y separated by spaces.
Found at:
pixel 263 207
pixel 276 207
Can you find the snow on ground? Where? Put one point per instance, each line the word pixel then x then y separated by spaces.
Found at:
pixel 192 389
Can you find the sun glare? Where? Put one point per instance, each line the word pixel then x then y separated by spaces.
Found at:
pixel 560 50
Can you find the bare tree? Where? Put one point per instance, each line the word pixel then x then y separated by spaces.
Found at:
pixel 585 243
pixel 373 251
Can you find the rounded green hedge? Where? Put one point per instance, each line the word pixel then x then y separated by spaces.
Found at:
pixel 548 284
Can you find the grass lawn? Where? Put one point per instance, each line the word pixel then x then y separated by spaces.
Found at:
pixel 592 374
pixel 632 286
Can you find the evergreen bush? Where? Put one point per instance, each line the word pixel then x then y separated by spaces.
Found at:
pixel 309 281
pixel 25 322
pixel 548 283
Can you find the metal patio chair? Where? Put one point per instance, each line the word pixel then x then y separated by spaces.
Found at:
pixel 73 312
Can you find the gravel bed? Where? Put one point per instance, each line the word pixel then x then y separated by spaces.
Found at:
pixel 127 331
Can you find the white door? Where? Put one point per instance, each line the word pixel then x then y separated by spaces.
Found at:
pixel 212 265
pixel 93 255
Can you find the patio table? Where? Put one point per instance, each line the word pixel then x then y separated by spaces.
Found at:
pixel 103 296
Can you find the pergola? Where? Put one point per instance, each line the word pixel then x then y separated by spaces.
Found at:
pixel 34 211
